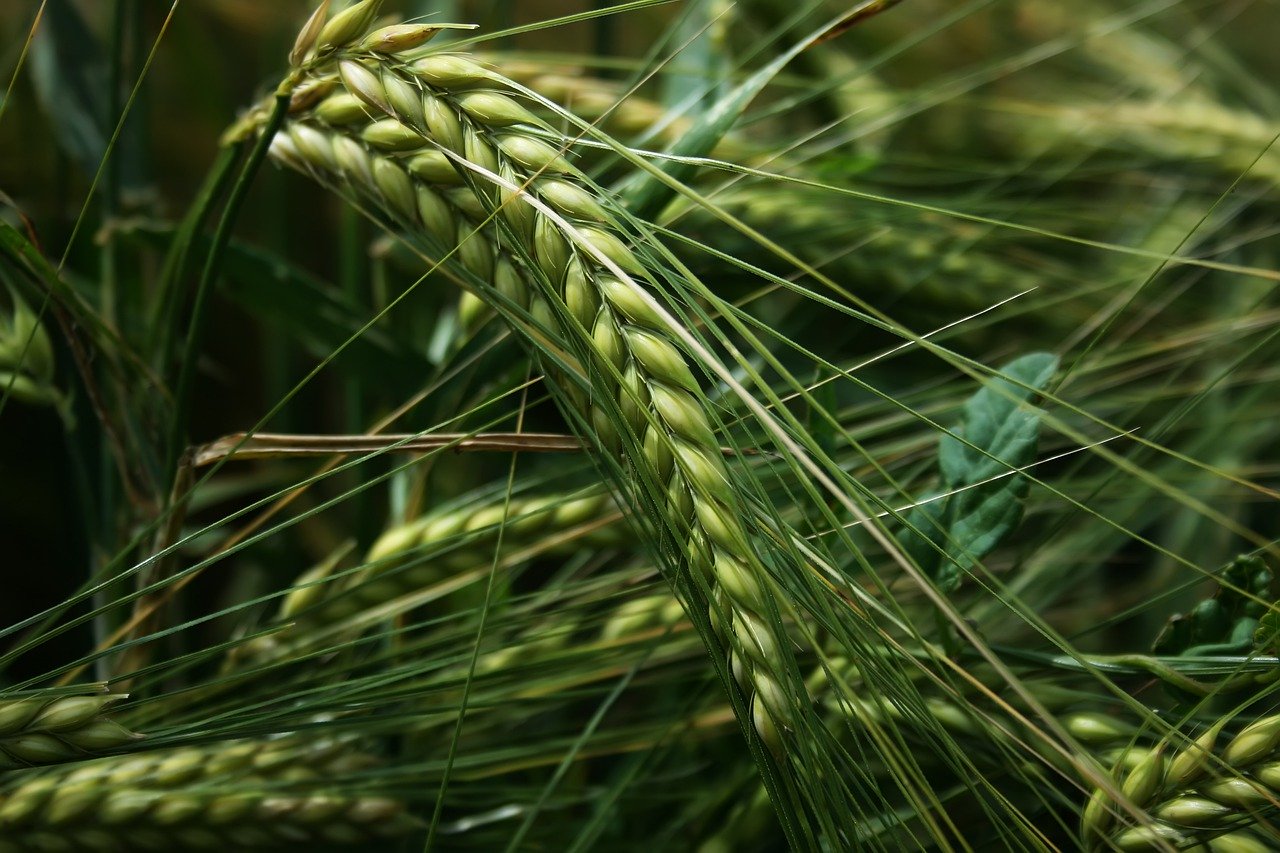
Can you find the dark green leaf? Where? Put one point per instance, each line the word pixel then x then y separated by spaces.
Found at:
pixel 309 310
pixel 925 535
pixel 946 537
pixel 72 77
pixel 69 73
pixel 997 433
pixel 1227 622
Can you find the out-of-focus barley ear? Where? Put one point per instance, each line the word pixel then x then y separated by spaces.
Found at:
pixel 24 341
pixel 242 794
pixel 22 387
pixel 1182 130
pixel 1095 729
pixel 643 614
pixel 431 548
pixel 27 366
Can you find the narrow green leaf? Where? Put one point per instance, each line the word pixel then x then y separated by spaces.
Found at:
pixel 69 74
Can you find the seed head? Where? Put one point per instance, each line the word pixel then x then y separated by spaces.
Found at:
pixel 346 26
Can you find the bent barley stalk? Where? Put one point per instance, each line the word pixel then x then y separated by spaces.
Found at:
pixel 37 729
pixel 228 794
pixel 449 542
pixel 437 143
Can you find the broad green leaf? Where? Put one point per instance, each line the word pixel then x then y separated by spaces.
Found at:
pixel 704 64
pixel 945 537
pixel 925 537
pixel 649 195
pixel 998 432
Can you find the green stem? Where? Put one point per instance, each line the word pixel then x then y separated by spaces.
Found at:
pixel 212 267
pixel 109 306
pixel 351 266
pixel 438 811
pixel 164 318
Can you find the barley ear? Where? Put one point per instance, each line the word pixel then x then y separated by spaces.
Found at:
pixel 427 550
pixel 633 395
pixel 1195 795
pixel 243 794
pixel 50 730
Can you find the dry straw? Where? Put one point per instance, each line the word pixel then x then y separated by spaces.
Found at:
pixel 441 145
pixel 38 729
